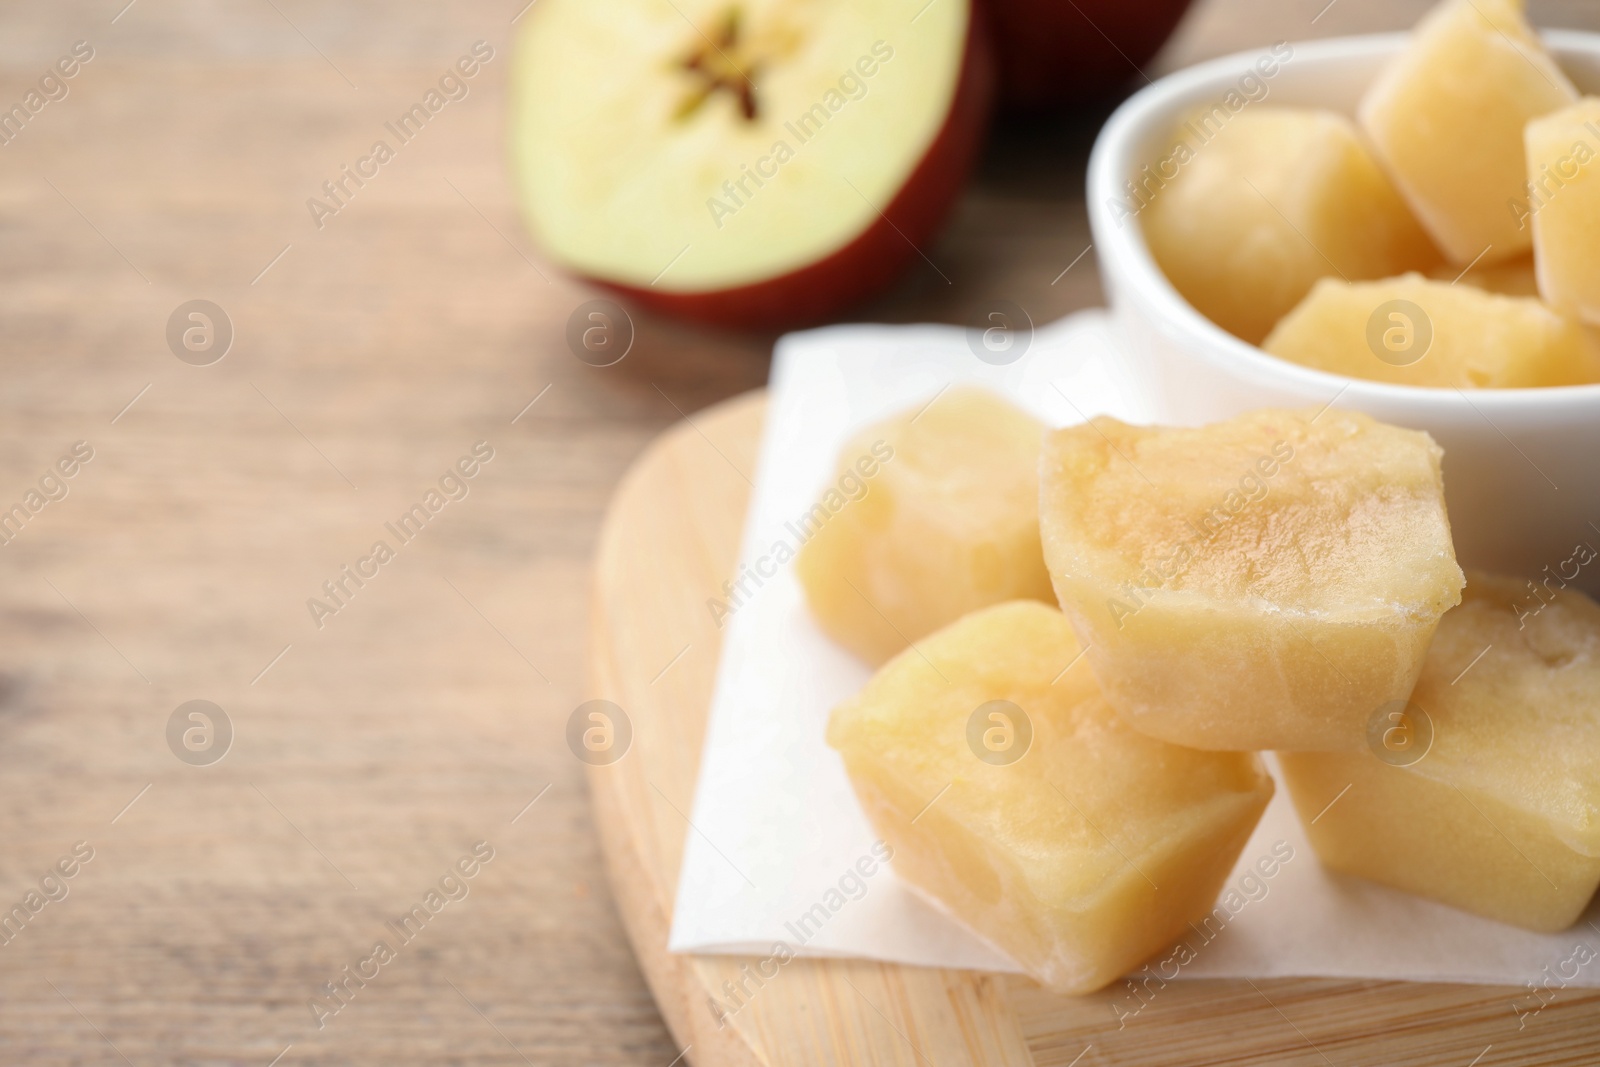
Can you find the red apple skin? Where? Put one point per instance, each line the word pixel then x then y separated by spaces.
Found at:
pixel 1057 53
pixel 875 259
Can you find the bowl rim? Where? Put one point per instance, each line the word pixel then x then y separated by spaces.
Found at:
pixel 1125 256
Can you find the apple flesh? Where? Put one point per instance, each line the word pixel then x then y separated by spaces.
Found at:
pixel 1059 53
pixel 757 165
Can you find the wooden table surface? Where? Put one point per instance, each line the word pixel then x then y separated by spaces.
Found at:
pixel 426 714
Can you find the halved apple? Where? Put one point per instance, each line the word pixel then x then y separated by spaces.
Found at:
pixel 753 163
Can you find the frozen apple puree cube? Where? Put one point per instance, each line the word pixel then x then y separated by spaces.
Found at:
pixel 1018 800
pixel 1414 331
pixel 1484 793
pixel 948 524
pixel 1259 583
pixel 1267 204
pixel 1563 204
pixel 1447 116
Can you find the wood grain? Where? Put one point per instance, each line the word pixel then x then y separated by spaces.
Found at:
pixel 373 352
pixel 670 538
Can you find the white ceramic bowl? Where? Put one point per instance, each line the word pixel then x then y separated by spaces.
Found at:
pixel 1522 466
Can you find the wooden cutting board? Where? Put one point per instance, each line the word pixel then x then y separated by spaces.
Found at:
pixel 670 539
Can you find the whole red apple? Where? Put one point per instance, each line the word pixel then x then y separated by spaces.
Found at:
pixel 1062 52
pixel 755 164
